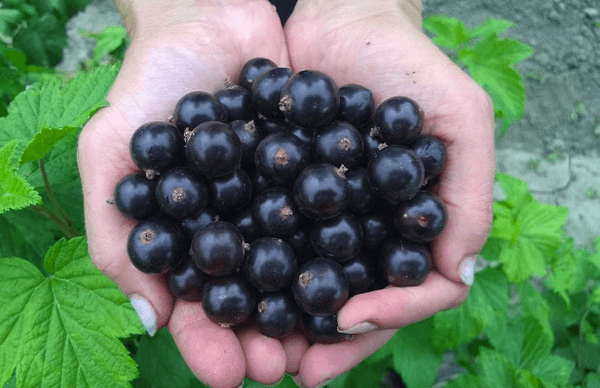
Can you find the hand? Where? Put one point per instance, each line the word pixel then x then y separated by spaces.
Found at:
pixel 381 46
pixel 175 49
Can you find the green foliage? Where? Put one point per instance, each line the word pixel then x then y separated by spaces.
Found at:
pixel 111 42
pixel 490 60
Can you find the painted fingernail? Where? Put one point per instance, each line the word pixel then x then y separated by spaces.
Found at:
pixel 466 270
pixel 145 311
pixel 360 328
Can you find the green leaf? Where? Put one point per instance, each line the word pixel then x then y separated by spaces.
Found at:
pixel 534 305
pixel 287 382
pixel 60 329
pixel 516 191
pixel 485 308
pixel 450 32
pixel 466 380
pixel 46 112
pixel 109 40
pixel 160 362
pixel 60 162
pixel 490 26
pixel 414 357
pixel 15 192
pixel 490 63
pixel 554 370
pixel 497 370
pixel 42 40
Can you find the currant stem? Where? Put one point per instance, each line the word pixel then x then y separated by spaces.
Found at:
pixel 67 229
pixel 50 193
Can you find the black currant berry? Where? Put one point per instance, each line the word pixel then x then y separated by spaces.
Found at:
pixel 372 142
pixel 362 199
pixel 276 314
pixel 259 182
pixel 337 238
pixel 186 281
pixel 404 263
pixel 422 218
pixel 356 104
pixel 395 173
pixel 270 264
pixel 266 92
pixel 269 126
pixel 274 212
pixel 156 147
pixel 377 227
pixel 228 301
pixel 300 241
pixel 156 245
pixel 321 191
pixel 181 193
pixel 304 134
pixel 399 120
pixel 134 196
pixel 237 101
pixel 252 69
pixel 196 108
pixel 310 99
pixel 432 153
pixel 323 330
pixel 230 192
pixel 191 225
pixel 320 287
pixel 243 221
pixel 214 149
pixel 250 136
pixel 337 143
pixel 360 272
pixel 218 249
pixel 280 157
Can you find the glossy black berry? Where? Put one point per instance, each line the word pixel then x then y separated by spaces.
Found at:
pixel 274 212
pixel 249 135
pixel 269 126
pixel 399 120
pixel 337 238
pixel 229 300
pixel 214 149
pixel 186 281
pixel 259 182
pixel 310 99
pixel 432 153
pixel 300 241
pixel 134 196
pixel 377 227
pixel 320 287
pixel 404 263
pixel 270 264
pixel 323 330
pixel 191 225
pixel 237 101
pixel 252 69
pixel 360 272
pixel 156 147
pixel 337 143
pixel 395 173
pixel 372 142
pixel 276 314
pixel 181 193
pixel 280 157
pixel 266 92
pixel 196 108
pixel 230 192
pixel 356 104
pixel 156 245
pixel 304 134
pixel 321 191
pixel 362 199
pixel 218 249
pixel 243 221
pixel 422 218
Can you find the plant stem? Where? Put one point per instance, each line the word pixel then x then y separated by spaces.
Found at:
pixel 50 192
pixel 587 310
pixel 66 228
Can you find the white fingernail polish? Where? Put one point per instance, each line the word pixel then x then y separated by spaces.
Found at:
pixel 145 311
pixel 466 270
pixel 360 328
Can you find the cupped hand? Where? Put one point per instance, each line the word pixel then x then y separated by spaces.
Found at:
pixel 175 49
pixel 380 44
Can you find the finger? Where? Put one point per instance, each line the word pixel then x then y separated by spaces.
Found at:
pixel 212 352
pixel 294 345
pixel 322 363
pixel 265 357
pixel 394 307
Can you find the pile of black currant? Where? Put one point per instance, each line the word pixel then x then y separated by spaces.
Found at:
pixel 278 198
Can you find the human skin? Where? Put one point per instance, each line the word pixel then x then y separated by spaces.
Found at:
pixel 197 45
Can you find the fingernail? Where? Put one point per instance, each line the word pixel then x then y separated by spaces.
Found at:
pixel 324 383
pixel 144 310
pixel 242 384
pixel 360 328
pixel 466 270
